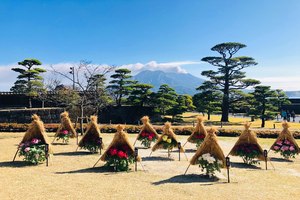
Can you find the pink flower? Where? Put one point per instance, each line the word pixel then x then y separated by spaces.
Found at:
pixel 21 144
pixel 27 149
pixel 292 148
pixel 65 132
pixel 279 142
pixel 276 147
pixel 150 137
pixel 284 148
pixel 287 142
pixel 34 141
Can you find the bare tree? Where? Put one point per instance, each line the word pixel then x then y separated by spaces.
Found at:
pixel 89 82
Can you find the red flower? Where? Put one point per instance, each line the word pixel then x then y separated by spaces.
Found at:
pixel 150 137
pixel 113 151
pixel 143 134
pixel 122 154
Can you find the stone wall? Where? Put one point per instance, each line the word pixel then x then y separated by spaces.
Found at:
pixel 48 115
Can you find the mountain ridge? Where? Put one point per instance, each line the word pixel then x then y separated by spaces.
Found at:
pixel 182 83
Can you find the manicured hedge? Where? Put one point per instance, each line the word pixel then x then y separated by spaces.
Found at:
pixel 133 129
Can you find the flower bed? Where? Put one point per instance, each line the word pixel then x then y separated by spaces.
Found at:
pixel 286 148
pixel 64 135
pixel 91 143
pixel 248 152
pixel 209 164
pixel 168 142
pixel 120 158
pixel 147 138
pixel 33 151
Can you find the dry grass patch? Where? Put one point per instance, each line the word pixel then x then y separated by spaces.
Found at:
pixel 71 176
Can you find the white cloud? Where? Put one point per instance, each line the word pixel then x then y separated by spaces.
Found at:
pixel 287 83
pixel 154 65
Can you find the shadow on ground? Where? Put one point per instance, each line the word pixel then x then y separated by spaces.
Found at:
pixel 102 169
pixel 190 178
pixel 243 165
pixel 15 164
pixel 157 158
pixel 280 160
pixel 75 153
pixel 58 143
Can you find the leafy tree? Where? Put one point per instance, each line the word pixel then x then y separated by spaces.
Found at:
pixel 183 104
pixel 239 101
pixel 208 100
pixel 97 95
pixel 280 99
pixel 140 94
pixel 121 86
pixel 229 76
pixel 263 106
pixel 29 80
pixel 165 98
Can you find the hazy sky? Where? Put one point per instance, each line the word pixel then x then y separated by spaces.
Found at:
pixel 168 35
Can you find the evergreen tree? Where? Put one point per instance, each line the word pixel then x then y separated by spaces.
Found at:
pixel 165 98
pixel 229 76
pixel 208 100
pixel 262 106
pixel 140 94
pixel 29 80
pixel 121 85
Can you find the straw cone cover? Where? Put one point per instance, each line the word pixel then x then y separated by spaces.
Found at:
pixel 209 145
pixel 120 139
pixel 65 124
pixel 36 129
pixel 168 131
pixel 200 129
pixel 248 137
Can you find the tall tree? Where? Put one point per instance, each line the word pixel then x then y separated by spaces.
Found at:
pixel 280 99
pixel 262 106
pixel 29 80
pixel 140 94
pixel 165 98
pixel 121 85
pixel 208 100
pixel 229 76
pixel 183 104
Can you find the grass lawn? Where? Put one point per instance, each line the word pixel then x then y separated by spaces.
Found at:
pixel 238 121
pixel 70 175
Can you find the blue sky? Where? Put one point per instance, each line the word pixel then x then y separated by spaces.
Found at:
pixel 170 35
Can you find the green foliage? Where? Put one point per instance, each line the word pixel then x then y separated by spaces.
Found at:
pixel 209 99
pixel 280 99
pixel 262 104
pixel 140 94
pixel 229 76
pixel 29 80
pixel 210 164
pixel 248 152
pixel 165 98
pixel 33 152
pixel 121 85
pixel 183 104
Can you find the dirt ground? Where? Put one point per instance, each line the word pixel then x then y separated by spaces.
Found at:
pixel 71 175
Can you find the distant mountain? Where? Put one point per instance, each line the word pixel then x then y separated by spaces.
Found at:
pixel 181 83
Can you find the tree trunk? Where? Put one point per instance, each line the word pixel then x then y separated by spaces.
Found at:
pixel 263 116
pixel 30 102
pixel 81 118
pixel 225 102
pixel 208 116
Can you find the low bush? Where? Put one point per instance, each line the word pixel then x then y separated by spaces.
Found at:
pixel 133 129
